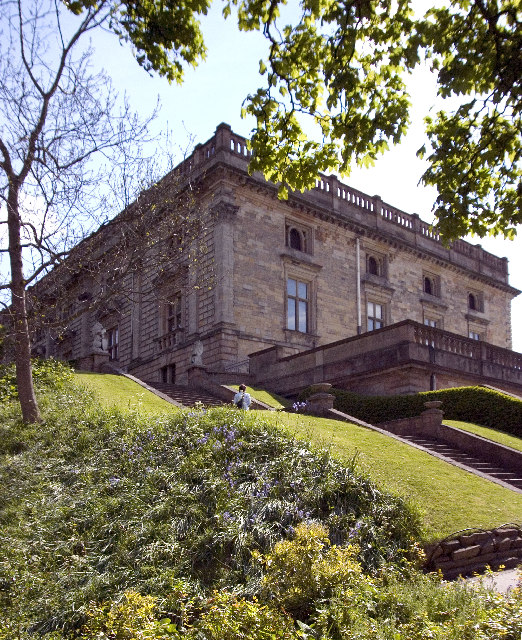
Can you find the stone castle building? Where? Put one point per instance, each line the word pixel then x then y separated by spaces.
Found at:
pixel 329 285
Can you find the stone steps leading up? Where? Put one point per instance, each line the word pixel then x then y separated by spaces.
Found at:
pixel 186 396
pixel 474 463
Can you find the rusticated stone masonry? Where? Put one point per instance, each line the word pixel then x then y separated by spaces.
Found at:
pixel 473 550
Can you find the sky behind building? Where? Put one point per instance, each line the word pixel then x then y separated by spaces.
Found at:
pixel 214 93
pixel 215 90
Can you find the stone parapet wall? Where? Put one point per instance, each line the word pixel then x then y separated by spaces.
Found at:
pixel 403 353
pixel 472 551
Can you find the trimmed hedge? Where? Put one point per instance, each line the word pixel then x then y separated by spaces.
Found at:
pixel 472 404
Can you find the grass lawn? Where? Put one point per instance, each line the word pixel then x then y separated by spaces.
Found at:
pixel 124 394
pixel 450 499
pixel 486 432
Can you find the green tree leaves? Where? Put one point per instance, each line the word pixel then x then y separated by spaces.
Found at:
pixel 335 95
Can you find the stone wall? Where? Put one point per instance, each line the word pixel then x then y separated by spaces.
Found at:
pixel 404 358
pixel 474 550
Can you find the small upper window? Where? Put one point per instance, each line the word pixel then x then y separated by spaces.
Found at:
pixel 373 266
pixel 475 301
pixel 431 284
pixel 298 238
pixel 474 335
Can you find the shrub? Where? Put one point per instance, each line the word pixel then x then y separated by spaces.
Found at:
pixel 472 404
pixel 99 502
pixel 48 374
pixel 227 617
pixel 131 619
pixel 306 569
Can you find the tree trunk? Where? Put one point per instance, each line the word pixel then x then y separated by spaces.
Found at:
pixel 24 373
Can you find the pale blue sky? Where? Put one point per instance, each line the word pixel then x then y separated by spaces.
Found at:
pixel 214 92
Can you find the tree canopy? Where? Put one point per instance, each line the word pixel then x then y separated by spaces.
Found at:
pixel 335 90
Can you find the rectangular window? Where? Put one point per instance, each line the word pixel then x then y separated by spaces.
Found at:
pixel 474 335
pixel 297 305
pixel 375 316
pixel 168 374
pixel 112 343
pixel 173 314
pixel 429 322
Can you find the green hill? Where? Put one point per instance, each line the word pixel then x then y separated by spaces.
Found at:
pixel 114 520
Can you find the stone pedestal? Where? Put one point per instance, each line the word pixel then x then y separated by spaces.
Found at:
pixel 320 402
pixel 197 376
pixel 94 362
pixel 432 417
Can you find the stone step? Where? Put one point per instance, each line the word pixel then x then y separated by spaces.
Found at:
pixel 186 396
pixel 485 467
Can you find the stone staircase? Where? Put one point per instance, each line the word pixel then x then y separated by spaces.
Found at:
pixel 186 396
pixel 473 463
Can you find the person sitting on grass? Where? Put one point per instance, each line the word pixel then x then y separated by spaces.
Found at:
pixel 242 399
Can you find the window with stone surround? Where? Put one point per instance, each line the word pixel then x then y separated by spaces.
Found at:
pixel 431 284
pixel 475 301
pixel 298 237
pixel 375 317
pixel 375 264
pixel 173 313
pixel 474 335
pixel 297 305
pixel 112 342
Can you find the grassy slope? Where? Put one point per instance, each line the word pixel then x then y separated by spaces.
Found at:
pixel 123 393
pixel 486 432
pixel 451 499
pixel 427 481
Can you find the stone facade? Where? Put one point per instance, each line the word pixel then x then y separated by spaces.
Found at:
pixel 321 267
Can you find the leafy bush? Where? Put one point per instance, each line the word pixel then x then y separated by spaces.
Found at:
pixel 133 618
pixel 472 404
pixel 227 617
pixel 301 571
pixel 48 374
pixel 97 502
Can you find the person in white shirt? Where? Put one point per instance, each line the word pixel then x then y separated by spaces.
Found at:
pixel 242 399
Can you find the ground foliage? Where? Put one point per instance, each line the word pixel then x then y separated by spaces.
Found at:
pixel 473 404
pixel 99 502
pixel 208 526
